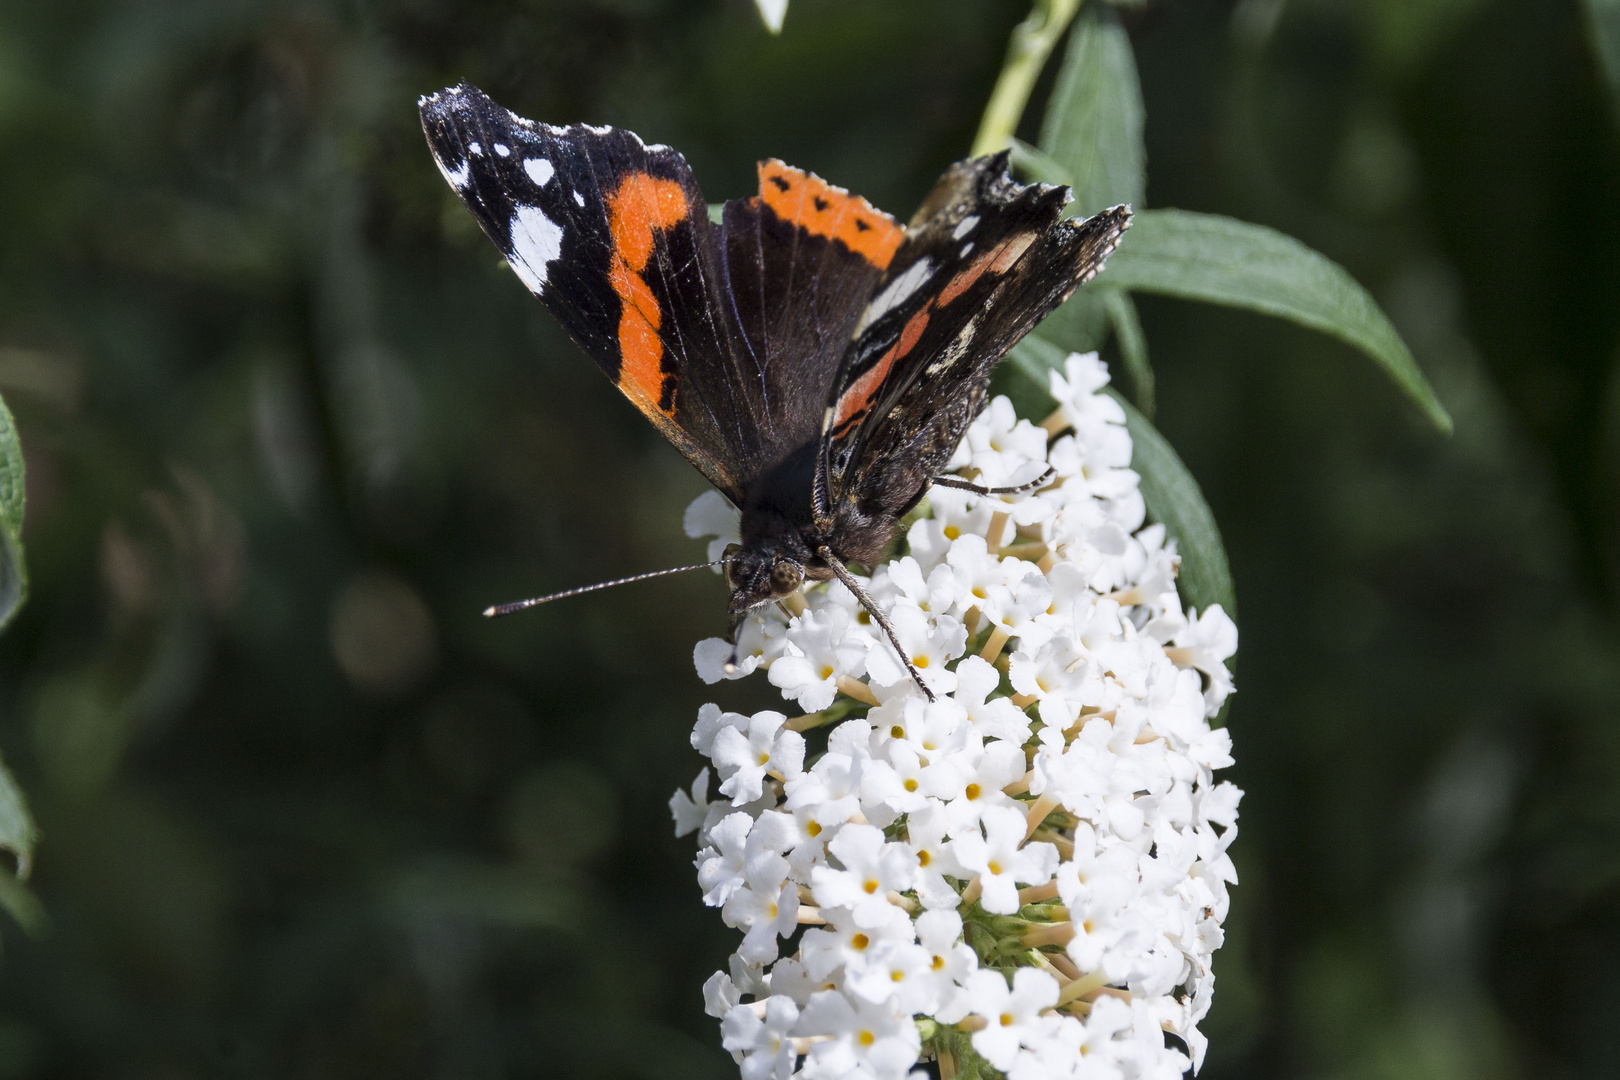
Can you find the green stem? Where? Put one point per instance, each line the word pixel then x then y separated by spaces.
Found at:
pixel 1032 42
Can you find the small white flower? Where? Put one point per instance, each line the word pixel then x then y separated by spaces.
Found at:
pixel 1207 642
pixel 993 768
pixel 720 866
pixel 898 973
pixel 771 13
pixel 844 944
pixel 762 1047
pixel 720 995
pixel 767 912
pixel 744 757
pixel 930 644
pixel 872 868
pixel 927 833
pixel 950 959
pixel 711 514
pixel 867 1040
pixel 1012 1015
pixel 1003 861
pixel 690 811
pixel 819 651
pixel 992 717
pixel 711 655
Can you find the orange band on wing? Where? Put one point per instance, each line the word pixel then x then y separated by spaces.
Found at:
pixel 641 204
pixel 823 210
pixel 862 390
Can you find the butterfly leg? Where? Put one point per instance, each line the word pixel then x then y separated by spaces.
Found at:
pixel 967 485
pixel 853 585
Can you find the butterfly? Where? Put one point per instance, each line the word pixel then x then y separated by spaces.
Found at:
pixel 816 361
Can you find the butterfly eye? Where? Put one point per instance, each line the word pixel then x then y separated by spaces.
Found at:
pixel 785 578
pixel 729 557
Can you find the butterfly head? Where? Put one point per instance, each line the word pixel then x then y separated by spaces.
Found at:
pixel 760 572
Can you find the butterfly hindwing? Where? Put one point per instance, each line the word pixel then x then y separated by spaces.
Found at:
pixel 984 260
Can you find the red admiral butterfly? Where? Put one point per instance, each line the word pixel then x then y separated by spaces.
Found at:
pixel 817 362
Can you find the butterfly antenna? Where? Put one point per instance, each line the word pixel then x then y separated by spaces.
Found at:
pixel 853 585
pixel 519 605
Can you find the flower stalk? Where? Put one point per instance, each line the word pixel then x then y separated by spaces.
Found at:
pixel 1032 42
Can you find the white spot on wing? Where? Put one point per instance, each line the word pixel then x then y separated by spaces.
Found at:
pixel 967 247
pixel 475 150
pixel 503 150
pixel 657 148
pixel 955 351
pixel 539 170
pixel 895 293
pixel 964 226
pixel 536 241
pixel 457 177
pixel 596 130
pixel 579 200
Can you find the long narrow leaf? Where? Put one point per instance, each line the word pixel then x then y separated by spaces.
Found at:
pixel 1224 261
pixel 1094 118
pixel 1603 27
pixel 13 568
pixel 1133 350
pixel 18 834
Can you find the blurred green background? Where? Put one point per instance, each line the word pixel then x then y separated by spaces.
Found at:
pixel 289 426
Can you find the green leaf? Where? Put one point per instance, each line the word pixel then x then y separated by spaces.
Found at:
pixel 13 568
pixel 21 903
pixel 1093 122
pixel 1036 164
pixel 18 834
pixel 1133 349
pixel 1603 27
pixel 1224 261
pixel 1168 488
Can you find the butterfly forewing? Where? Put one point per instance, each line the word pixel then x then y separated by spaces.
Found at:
pixel 984 260
pixel 613 236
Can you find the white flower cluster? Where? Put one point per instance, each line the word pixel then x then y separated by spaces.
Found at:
pixel 1031 869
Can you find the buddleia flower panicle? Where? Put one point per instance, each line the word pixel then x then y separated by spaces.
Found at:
pixel 1031 870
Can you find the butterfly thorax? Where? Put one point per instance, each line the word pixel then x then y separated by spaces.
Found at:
pixel 778 534
pixel 780 539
